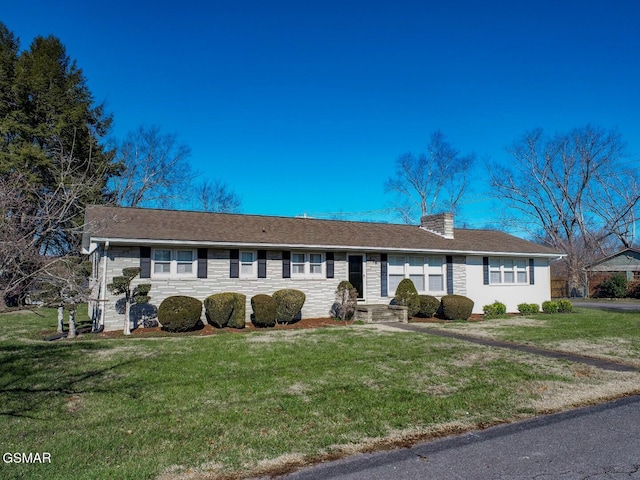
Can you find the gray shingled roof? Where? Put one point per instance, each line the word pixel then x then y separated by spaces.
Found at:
pixel 140 225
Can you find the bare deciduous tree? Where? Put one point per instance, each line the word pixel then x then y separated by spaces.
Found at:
pixel 216 196
pixel 572 192
pixel 155 169
pixel 430 182
pixel 64 284
pixel 40 225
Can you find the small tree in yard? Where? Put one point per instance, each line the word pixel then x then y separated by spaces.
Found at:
pixel 63 283
pixel 122 286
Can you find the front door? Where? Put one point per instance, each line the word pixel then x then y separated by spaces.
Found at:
pixel 356 274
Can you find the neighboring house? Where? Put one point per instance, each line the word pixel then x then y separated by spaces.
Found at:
pixel 199 253
pixel 626 262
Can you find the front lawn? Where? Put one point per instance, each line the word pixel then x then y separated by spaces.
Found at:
pixel 240 404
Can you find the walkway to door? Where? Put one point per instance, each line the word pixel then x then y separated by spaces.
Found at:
pixel 596 362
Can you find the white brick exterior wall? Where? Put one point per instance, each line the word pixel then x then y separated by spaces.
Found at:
pixel 320 292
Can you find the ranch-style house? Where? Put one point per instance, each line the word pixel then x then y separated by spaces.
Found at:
pixel 200 253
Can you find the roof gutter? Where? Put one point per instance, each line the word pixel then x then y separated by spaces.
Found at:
pixel 350 248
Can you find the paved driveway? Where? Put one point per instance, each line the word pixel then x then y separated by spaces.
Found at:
pixel 597 443
pixel 607 305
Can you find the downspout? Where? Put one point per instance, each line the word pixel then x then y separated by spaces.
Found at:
pixel 103 288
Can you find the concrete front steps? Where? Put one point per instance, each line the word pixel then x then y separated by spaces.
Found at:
pixel 381 314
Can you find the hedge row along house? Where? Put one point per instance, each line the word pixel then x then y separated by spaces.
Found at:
pixel 198 254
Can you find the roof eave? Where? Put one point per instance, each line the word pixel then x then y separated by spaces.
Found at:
pixel 293 246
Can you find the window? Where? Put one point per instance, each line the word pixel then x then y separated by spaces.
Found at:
pixel 167 262
pixel 184 261
pixel 297 264
pixel 435 271
pixel 508 271
pixel 162 261
pixel 306 264
pixel 415 269
pixel 426 273
pixel 247 265
pixel 396 272
pixel 315 264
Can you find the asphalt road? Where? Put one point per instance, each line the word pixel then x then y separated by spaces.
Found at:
pixel 594 443
pixel 607 305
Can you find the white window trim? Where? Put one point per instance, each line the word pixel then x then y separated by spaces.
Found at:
pixel 427 270
pixel 501 269
pixel 173 263
pixel 307 265
pixel 254 264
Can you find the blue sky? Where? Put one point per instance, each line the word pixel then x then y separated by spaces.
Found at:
pixel 304 106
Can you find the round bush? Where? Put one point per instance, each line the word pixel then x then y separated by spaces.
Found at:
pixel 528 308
pixel 218 309
pixel 407 296
pixel 456 307
pixel 495 310
pixel 180 314
pixel 264 311
pixel 550 306
pixel 289 304
pixel 565 306
pixel 226 309
pixel 428 306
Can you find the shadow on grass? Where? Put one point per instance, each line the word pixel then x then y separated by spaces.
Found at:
pixel 34 376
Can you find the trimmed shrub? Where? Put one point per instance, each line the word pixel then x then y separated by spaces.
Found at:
pixel 180 314
pixel 407 296
pixel 528 308
pixel 226 310
pixel 264 310
pixel 239 314
pixel 564 306
pixel 456 307
pixel 289 304
pixel 428 306
pixel 495 310
pixel 550 306
pixel 614 287
pixel 346 301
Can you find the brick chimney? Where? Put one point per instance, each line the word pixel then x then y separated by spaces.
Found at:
pixel 440 224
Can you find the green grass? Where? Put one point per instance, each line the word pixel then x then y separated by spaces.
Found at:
pixel 130 408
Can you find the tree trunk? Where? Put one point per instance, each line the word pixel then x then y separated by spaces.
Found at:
pixel 127 322
pixel 72 323
pixel 61 319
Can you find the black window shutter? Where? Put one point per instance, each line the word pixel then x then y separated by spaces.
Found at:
pixel 234 263
pixel 485 270
pixel 202 262
pixel 286 264
pixel 449 275
pixel 384 281
pixel 532 279
pixel 145 262
pixel 330 265
pixel 262 264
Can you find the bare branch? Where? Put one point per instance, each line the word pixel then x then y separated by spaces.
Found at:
pixel 430 182
pixel 155 169
pixel 570 192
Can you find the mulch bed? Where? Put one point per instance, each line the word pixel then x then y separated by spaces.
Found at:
pixel 209 330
